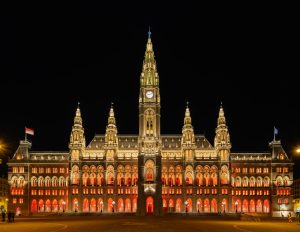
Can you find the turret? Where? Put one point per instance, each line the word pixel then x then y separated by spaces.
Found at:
pixel 222 138
pixel 111 138
pixel 188 137
pixel 77 139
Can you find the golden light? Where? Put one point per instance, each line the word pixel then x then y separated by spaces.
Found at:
pixel 298 150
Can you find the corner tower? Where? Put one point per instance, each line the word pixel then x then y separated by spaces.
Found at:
pixel 222 138
pixel 149 160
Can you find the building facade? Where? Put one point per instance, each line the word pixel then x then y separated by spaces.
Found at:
pixel 150 173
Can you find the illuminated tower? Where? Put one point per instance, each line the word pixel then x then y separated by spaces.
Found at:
pixel 77 148
pixel 111 139
pixel 149 160
pixel 222 138
pixel 188 137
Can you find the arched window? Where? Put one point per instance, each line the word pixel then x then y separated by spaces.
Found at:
pixel 252 206
pixel 41 181
pixel 120 205
pixel 54 181
pixel 85 205
pixel 259 182
pixel 54 206
pixel 110 175
pixel 33 206
pixel 245 206
pixel 224 175
pixel 266 206
pixel 33 181
pixel 93 205
pixel 178 205
pixel 75 175
pixel 214 205
pixel 149 171
pixel 127 205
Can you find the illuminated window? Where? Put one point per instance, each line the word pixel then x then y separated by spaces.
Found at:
pixel 279 200
pixel 278 169
pixel 41 170
pixel 14 200
pixel 266 170
pixel 34 170
pixel 61 170
pixel 21 169
pixel 55 170
pixel 21 200
pixel 244 170
pixel 258 170
pixel 251 170
pixel 48 170
pixel 15 169
pixel 286 200
pixel 285 170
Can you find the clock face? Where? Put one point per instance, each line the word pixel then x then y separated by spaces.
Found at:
pixel 149 94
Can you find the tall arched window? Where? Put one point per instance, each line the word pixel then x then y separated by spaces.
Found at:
pixel 149 171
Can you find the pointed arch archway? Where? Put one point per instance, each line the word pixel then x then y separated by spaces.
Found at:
pixel 149 205
pixel 178 205
pixel 34 206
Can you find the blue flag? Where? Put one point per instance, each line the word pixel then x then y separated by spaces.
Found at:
pixel 275 131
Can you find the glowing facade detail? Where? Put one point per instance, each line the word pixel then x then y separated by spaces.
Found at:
pixel 150 173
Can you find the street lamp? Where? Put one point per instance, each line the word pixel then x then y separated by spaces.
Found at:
pixel 113 204
pixel 186 206
pixel 101 206
pixel 198 206
pixel 236 204
pixel 76 205
pixel 64 205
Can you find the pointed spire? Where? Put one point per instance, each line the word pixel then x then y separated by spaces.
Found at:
pixel 77 118
pixel 149 75
pixel 111 128
pixel 221 118
pixel 187 129
pixel 111 117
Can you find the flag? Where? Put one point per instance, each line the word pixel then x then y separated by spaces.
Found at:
pixel 275 131
pixel 29 131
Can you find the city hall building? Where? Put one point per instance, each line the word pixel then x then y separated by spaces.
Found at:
pixel 150 172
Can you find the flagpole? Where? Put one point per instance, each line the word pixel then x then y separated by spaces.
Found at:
pixel 25 135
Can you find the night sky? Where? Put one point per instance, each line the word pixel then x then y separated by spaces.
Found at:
pixel 247 59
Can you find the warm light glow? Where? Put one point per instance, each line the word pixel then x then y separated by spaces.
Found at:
pixel 298 150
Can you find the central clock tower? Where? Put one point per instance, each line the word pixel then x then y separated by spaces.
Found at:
pixel 149 159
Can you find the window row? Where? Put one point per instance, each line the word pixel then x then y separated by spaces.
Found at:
pixel 49 170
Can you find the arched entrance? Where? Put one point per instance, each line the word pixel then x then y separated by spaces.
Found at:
pixel 34 206
pixel 149 205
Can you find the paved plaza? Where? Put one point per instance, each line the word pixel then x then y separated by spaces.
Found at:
pixel 145 224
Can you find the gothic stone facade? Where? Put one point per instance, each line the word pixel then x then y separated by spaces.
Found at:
pixel 150 173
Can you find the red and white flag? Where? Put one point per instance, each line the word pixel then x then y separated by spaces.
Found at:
pixel 29 131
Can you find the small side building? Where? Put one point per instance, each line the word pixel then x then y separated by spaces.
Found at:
pixel 3 194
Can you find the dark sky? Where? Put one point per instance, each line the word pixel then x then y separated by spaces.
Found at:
pixel 57 56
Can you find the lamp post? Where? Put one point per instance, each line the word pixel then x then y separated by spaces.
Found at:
pixel 76 206
pixel 64 206
pixel 113 206
pixel 186 206
pixel 223 206
pixel 101 206
pixel 236 204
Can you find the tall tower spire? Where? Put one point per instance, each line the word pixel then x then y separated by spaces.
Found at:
pixel 149 159
pixel 77 139
pixel 149 75
pixel 111 128
pixel 188 136
pixel 222 138
pixel 111 138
